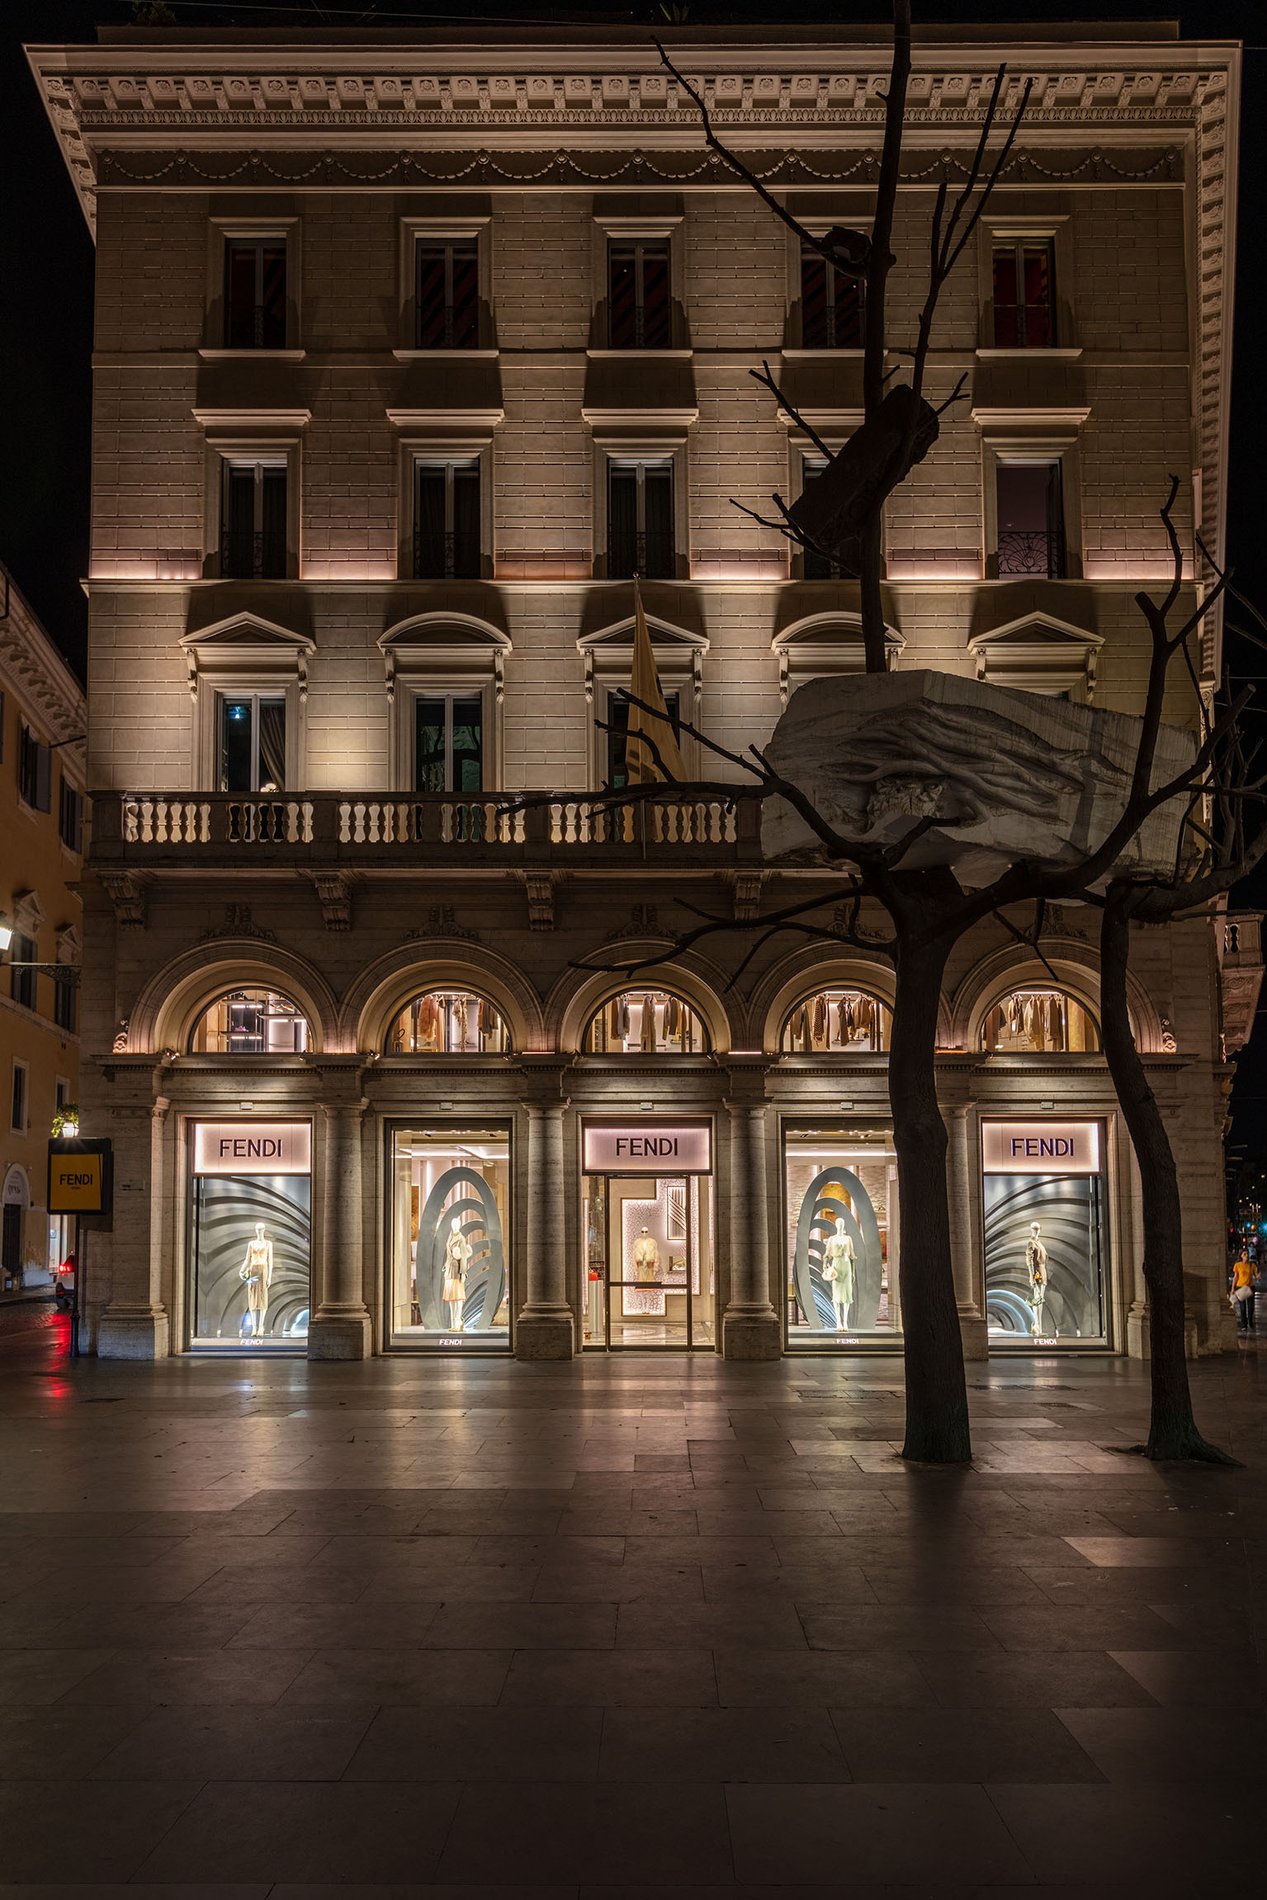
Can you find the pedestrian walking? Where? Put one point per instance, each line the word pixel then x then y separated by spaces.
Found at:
pixel 1243 1274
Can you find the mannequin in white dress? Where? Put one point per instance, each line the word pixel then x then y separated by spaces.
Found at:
pixel 257 1271
pixel 838 1271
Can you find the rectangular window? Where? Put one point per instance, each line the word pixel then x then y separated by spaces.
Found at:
pixel 816 566
pixel 449 1283
pixel 840 1232
pixel 65 1000
pixel 831 305
pixel 255 293
pixel 22 981
pixel 1031 534
pixel 449 742
pixel 1024 294
pixel 18 1100
pixel 1046 1239
pixel 35 771
pixel 446 294
pixel 618 734
pixel 252 742
pixel 70 816
pixel 253 520
pixel 639 304
pixel 447 520
pixel 250 1236
pixel 640 529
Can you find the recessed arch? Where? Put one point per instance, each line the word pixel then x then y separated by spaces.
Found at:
pixel 164 1014
pixel 386 987
pixel 574 1004
pixel 645 1019
pixel 810 972
pixel 1065 964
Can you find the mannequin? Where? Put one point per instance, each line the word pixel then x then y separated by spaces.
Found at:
pixel 457 1252
pixel 838 1271
pixel 1036 1262
pixel 646 1256
pixel 257 1271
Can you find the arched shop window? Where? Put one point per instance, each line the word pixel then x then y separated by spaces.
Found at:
pixel 836 1020
pixel 1042 1022
pixel 645 1022
pixel 446 1022
pixel 250 1022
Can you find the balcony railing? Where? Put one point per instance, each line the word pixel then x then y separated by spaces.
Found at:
pixel 332 827
pixel 1032 552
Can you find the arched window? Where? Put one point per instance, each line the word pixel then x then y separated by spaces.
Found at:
pixel 645 1022
pixel 448 1022
pixel 1040 1022
pixel 250 1022
pixel 836 1021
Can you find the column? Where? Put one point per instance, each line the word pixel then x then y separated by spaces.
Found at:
pixel 340 1327
pixel 966 1258
pixel 750 1325
pixel 125 1261
pixel 545 1327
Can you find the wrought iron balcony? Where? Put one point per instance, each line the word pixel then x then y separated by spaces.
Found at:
pixel 1031 552
pixel 492 831
pixel 252 556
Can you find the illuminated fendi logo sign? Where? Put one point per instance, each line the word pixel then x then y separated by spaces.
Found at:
pixel 252 1148
pixel 647 1147
pixel 1040 1147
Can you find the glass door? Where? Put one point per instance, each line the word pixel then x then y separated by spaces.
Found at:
pixel 648 1262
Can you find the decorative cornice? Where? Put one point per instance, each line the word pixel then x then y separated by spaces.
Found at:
pixel 39 675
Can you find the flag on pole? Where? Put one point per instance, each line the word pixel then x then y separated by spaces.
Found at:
pixel 648 764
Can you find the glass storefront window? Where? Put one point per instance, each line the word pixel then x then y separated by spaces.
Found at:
pixel 448 1022
pixel 251 1238
pixel 645 1022
pixel 1042 1021
pixel 841 1219
pixel 448 1255
pixel 250 1022
pixel 1045 1244
pixel 649 1274
pixel 836 1020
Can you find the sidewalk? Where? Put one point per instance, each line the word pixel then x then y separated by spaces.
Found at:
pixel 623 1627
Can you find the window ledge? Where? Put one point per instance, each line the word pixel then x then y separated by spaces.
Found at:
pixel 446 356
pixel 798 351
pixel 642 356
pixel 252 356
pixel 1038 353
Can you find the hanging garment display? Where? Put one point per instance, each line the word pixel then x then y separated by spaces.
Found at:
pixel 427 1031
pixel 485 1019
pixel 672 1020
pixel 648 1035
pixel 796 1028
pixel 460 1021
pixel 820 1018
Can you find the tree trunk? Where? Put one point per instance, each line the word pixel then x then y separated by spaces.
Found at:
pixel 870 598
pixel 1172 1429
pixel 937 1428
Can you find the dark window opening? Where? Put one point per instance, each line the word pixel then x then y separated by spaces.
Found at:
pixel 1024 295
pixel 35 771
pixel 23 953
pixel 255 293
pixel 253 524
pixel 640 533
pixel 639 305
pixel 447 521
pixel 65 1000
pixel 832 305
pixel 70 816
pixel 1031 536
pixel 252 742
pixel 449 742
pixel 446 294
pixel 618 734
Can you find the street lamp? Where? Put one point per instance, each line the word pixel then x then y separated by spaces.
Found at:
pixel 64 972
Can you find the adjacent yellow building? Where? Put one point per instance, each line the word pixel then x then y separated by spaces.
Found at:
pixel 42 723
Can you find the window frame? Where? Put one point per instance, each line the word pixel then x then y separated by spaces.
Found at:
pixel 70 800
pixel 617 460
pixel 21 1073
pixel 1051 227
pixel 223 696
pixel 449 461
pixel 1004 446
pixel 222 231
pixel 608 657
pixel 443 653
pixel 476 225
pixel 233 462
pixel 419 691
pixel 37 757
pixel 804 253
pixel 667 226
pixel 235 992
pixel 24 978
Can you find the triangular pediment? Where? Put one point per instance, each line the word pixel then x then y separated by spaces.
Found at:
pixel 1038 633
pixel 243 634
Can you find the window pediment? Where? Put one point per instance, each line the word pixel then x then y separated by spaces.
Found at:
pixel 246 642
pixel 608 652
pixel 1038 652
pixel 824 645
pixel 444 642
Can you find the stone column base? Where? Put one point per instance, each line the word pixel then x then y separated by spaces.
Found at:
pixel 751 1336
pixel 540 1336
pixel 1138 1344
pixel 339 1336
pixel 136 1332
pixel 975 1334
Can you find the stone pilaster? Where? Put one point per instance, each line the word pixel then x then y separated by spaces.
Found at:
pixel 750 1326
pixel 135 1322
pixel 545 1327
pixel 967 1258
pixel 340 1327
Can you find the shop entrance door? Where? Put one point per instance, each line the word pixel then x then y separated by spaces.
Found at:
pixel 649 1263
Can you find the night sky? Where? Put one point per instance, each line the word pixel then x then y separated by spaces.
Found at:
pixel 46 293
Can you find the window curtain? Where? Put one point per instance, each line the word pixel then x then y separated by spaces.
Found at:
pixel 273 523
pixel 429 524
pixel 272 745
pixel 466 521
pixel 622 523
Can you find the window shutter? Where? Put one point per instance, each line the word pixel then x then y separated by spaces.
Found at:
pixel 43 777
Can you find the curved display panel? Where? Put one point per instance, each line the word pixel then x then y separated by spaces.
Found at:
pixel 448 1254
pixel 841 1238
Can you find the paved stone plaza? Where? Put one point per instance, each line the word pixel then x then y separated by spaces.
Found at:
pixel 619 1627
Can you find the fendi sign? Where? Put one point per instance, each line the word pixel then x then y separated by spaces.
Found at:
pixel 647 1147
pixel 1040 1147
pixel 252 1147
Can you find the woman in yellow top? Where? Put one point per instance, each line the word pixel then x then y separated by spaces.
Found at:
pixel 1243 1294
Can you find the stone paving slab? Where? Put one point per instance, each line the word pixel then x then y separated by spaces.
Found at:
pixel 655 1626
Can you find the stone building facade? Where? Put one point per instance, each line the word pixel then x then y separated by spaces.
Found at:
pixel 411 350
pixel 43 723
